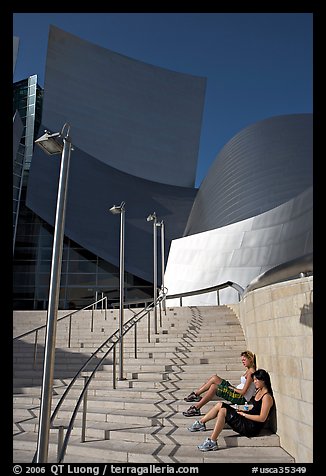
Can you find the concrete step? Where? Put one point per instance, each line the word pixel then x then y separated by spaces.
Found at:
pixel 142 416
pixel 141 420
pixel 156 452
pixel 123 432
pixel 115 402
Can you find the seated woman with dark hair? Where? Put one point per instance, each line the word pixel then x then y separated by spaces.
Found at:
pixel 247 423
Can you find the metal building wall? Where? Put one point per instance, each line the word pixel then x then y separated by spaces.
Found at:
pixel 141 119
pixel 92 189
pixel 261 167
pixel 241 251
pixel 15 47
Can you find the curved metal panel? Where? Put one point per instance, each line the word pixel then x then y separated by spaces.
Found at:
pixel 241 251
pixel 136 117
pixel 15 46
pixel 299 266
pixel 263 166
pixel 93 188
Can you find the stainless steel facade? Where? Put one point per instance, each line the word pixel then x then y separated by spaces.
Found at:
pixel 241 251
pixel 261 167
pixel 139 118
pixel 15 45
pixel 253 211
pixel 93 188
pixel 135 130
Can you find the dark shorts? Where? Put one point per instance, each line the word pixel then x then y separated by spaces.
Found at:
pixel 240 424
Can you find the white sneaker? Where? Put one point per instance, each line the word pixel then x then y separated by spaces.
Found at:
pixel 197 426
pixel 208 445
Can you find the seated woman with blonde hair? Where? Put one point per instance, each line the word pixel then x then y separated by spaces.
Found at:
pixel 216 385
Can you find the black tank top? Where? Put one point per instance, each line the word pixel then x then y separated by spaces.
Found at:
pixel 257 405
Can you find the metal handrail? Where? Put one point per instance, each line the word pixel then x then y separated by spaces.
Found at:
pixel 37 329
pixel 131 302
pixel 127 326
pixel 217 288
pixel 63 317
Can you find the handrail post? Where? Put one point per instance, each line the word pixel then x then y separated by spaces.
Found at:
pixel 35 349
pixel 92 314
pixel 160 306
pixel 218 296
pixel 92 318
pixel 105 307
pixel 135 336
pixel 60 441
pixel 83 432
pixel 114 377
pixel 149 327
pixel 69 333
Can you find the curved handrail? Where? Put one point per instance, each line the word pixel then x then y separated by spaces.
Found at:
pixel 288 270
pixel 126 327
pixel 218 287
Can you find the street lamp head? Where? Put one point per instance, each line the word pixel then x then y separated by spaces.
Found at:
pixel 117 209
pixel 151 217
pixel 48 143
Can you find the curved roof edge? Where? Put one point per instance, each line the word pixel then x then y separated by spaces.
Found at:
pixel 139 118
pixel 264 165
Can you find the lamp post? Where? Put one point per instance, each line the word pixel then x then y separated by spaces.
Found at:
pixel 120 210
pixel 51 145
pixel 152 217
pixel 161 225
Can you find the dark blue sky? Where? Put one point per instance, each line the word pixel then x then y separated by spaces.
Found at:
pixel 257 65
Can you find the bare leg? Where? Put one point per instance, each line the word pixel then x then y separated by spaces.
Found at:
pixel 207 397
pixel 219 424
pixel 212 413
pixel 214 379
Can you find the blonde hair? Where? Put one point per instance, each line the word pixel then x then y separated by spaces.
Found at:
pixel 251 356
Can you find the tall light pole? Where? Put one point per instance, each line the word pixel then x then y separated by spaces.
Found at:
pixel 152 217
pixel 120 210
pixel 52 144
pixel 161 225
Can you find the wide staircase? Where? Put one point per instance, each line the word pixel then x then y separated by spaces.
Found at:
pixel 139 421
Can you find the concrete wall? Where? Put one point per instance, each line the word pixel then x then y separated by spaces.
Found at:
pixel 277 321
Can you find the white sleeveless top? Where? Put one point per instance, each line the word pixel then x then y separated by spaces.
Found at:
pixel 251 390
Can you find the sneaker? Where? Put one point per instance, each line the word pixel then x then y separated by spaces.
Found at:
pixel 192 411
pixel 197 426
pixel 208 445
pixel 192 397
